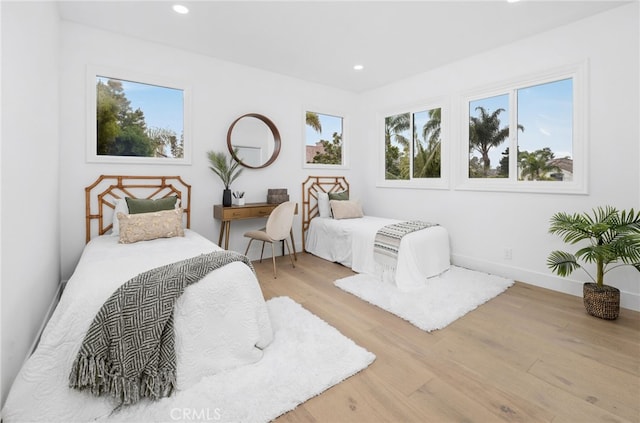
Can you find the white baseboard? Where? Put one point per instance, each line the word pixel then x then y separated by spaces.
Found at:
pixel 628 300
pixel 34 344
pixel 52 306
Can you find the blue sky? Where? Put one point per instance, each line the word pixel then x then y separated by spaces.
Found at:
pixel 163 107
pixel 329 123
pixel 546 112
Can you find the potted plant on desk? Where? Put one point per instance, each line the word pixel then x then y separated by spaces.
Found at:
pixel 227 171
pixel 613 240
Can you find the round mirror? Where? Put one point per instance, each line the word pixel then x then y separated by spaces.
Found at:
pixel 253 141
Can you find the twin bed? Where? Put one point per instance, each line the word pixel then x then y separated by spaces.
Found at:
pixel 349 237
pixel 220 323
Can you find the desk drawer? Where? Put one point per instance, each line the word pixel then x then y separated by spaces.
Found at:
pixel 242 212
pixel 233 214
pixel 261 211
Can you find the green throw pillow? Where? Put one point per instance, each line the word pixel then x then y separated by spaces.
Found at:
pixel 141 205
pixel 341 196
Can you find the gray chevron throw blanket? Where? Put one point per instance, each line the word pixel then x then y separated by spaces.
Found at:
pixel 129 349
pixel 387 241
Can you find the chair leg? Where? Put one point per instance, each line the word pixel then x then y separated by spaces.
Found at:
pixel 286 243
pixel 273 257
pixel 248 245
pixel 262 252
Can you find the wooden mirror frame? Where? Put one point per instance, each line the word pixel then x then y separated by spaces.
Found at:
pixel 276 140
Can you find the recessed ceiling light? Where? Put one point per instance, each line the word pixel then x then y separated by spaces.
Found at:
pixel 512 1
pixel 358 67
pixel 178 8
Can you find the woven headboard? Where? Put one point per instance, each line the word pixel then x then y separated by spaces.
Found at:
pixel 101 196
pixel 310 188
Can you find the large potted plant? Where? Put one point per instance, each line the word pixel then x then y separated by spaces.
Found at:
pixel 228 171
pixel 612 240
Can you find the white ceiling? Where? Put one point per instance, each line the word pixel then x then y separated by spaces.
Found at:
pixel 320 41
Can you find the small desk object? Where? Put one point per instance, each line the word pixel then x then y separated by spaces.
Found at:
pixel 246 211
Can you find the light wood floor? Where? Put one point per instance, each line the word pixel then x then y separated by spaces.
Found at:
pixel 528 355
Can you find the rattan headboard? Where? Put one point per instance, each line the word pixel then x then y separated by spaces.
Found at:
pixel 101 196
pixel 310 188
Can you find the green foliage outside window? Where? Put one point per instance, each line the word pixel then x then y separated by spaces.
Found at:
pixel 423 147
pixel 332 151
pixel 122 131
pixel 327 152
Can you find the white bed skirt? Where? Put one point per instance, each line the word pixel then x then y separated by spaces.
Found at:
pixel 423 254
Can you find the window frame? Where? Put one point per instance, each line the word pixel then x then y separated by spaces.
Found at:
pixel 580 144
pixel 419 183
pixel 92 156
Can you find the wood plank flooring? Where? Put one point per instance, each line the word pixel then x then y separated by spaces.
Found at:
pixel 528 355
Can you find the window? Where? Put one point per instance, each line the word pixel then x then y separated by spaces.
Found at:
pixel 546 153
pixel 527 136
pixel 324 141
pixel 413 149
pixel 397 147
pixel 426 144
pixel 137 122
pixel 488 131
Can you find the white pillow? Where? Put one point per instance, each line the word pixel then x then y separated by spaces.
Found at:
pixel 121 207
pixel 324 209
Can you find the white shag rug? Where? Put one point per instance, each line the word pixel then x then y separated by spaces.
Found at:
pixel 442 300
pixel 307 356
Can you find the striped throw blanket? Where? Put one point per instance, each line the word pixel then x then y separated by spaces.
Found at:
pixel 129 349
pixel 387 241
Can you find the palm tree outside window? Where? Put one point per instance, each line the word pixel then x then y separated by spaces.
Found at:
pixel 544 149
pixel 413 145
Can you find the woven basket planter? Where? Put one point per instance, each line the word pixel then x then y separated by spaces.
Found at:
pixel 602 302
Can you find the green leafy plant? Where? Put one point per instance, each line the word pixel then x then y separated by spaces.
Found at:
pixel 613 240
pixel 227 171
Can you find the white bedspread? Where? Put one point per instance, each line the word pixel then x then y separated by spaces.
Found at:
pixel 423 254
pixel 221 322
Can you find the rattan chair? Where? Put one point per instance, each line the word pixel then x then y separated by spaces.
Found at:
pixel 278 229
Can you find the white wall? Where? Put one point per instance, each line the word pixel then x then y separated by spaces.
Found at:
pixel 30 170
pixel 222 91
pixel 44 168
pixel 482 224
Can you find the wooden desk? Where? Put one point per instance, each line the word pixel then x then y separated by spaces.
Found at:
pixel 248 211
